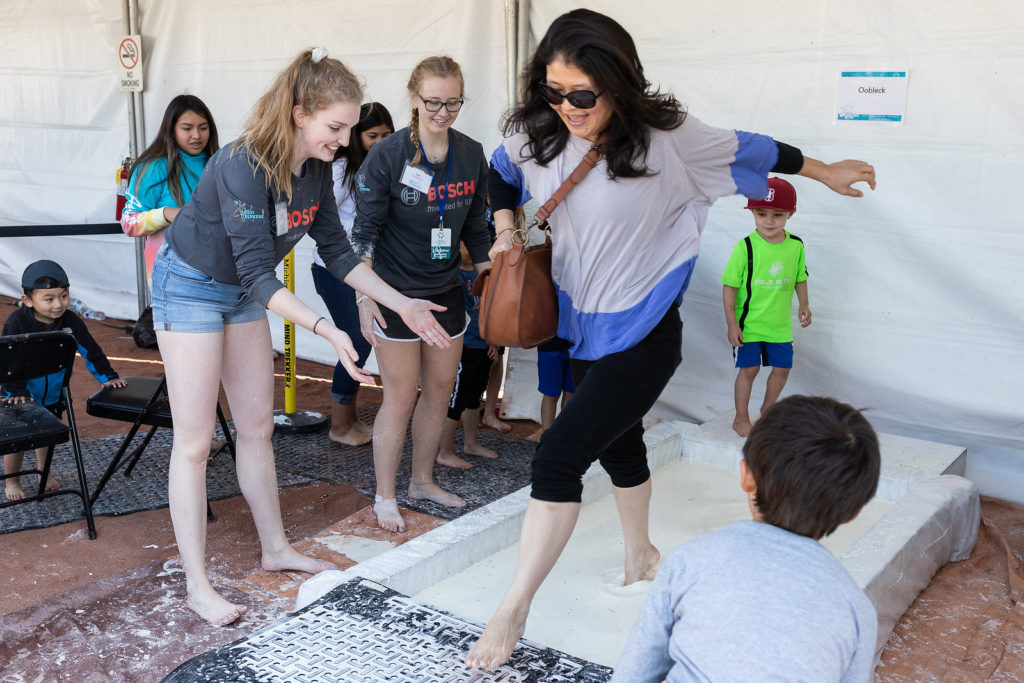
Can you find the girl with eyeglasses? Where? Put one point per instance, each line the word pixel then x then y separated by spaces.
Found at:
pixel 625 242
pixel 420 192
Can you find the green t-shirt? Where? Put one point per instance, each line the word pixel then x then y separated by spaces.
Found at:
pixel 777 269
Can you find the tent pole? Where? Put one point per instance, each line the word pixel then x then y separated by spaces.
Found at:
pixel 511 47
pixel 136 130
pixel 523 39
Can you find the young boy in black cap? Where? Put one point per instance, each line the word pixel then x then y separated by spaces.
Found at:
pixel 44 309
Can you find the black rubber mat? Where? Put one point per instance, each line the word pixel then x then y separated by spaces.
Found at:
pixel 362 632
pixel 301 459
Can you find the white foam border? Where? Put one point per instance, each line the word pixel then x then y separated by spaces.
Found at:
pixel 933 520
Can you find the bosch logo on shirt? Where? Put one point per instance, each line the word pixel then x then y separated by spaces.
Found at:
pixel 304 217
pixel 460 189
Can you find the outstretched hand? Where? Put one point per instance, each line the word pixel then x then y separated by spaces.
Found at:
pixel 841 175
pixel 417 314
pixel 368 312
pixel 348 356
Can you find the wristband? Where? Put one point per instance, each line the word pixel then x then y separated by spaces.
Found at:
pixel 319 320
pixel 361 298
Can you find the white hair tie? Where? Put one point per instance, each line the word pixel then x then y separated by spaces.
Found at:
pixel 319 53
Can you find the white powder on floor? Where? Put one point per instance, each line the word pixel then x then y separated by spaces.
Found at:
pixel 356 548
pixel 583 608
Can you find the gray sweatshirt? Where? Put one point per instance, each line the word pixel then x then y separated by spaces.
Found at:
pixel 229 230
pixel 394 221
pixel 752 602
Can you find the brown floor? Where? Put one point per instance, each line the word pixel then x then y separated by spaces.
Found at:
pixel 113 609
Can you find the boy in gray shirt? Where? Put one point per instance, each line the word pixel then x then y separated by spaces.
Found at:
pixel 764 600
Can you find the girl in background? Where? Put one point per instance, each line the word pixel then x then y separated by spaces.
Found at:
pixel 374 125
pixel 168 171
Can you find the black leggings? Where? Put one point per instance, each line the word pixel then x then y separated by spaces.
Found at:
pixel 604 418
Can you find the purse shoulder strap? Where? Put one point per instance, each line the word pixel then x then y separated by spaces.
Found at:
pixel 590 160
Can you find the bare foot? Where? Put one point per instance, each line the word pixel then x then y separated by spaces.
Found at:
pixel 388 517
pixel 13 490
pixel 363 427
pixel 454 461
pixel 51 483
pixel 481 451
pixel 498 640
pixel 641 567
pixel 290 558
pixel 216 447
pixel 214 608
pixel 742 426
pixel 428 490
pixel 353 437
pixel 491 420
pixel 536 435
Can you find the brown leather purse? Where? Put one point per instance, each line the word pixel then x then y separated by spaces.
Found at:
pixel 518 304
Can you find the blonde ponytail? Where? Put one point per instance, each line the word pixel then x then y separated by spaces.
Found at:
pixel 414 135
pixel 313 84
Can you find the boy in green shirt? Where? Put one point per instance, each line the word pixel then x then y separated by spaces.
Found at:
pixel 764 270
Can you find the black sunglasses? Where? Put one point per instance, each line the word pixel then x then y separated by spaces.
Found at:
pixel 581 99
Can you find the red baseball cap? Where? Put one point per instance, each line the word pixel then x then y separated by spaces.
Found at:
pixel 781 196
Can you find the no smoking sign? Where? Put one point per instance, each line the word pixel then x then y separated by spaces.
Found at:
pixel 129 62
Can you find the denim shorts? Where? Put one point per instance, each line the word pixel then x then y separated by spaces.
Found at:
pixel 188 300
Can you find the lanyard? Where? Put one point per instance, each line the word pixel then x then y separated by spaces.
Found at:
pixel 440 202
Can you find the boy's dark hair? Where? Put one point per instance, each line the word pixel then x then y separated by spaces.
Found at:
pixel 44 283
pixel 815 462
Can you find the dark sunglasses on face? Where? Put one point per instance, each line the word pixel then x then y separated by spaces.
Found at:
pixel 435 105
pixel 581 99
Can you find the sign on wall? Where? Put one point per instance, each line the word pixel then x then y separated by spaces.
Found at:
pixel 129 64
pixel 872 96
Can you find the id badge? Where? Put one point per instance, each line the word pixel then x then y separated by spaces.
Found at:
pixel 281 217
pixel 441 243
pixel 416 178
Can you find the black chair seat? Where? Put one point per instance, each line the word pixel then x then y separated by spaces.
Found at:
pixel 143 401
pixel 25 426
pixel 29 425
pixel 127 403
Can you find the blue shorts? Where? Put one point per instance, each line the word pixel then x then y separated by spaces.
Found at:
pixel 774 354
pixel 189 300
pixel 554 373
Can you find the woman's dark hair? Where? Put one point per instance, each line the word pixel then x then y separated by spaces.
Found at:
pixel 371 115
pixel 165 147
pixel 815 463
pixel 605 52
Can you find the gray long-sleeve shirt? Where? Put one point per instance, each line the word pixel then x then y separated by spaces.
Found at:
pixel 752 602
pixel 229 229
pixel 394 221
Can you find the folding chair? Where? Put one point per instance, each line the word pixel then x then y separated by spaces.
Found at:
pixel 142 402
pixel 29 425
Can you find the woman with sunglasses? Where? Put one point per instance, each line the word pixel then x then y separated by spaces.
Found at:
pixel 421 192
pixel 625 242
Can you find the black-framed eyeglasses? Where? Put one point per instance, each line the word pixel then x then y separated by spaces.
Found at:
pixel 581 99
pixel 435 105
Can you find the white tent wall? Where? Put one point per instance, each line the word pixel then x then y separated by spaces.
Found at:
pixel 916 315
pixel 917 312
